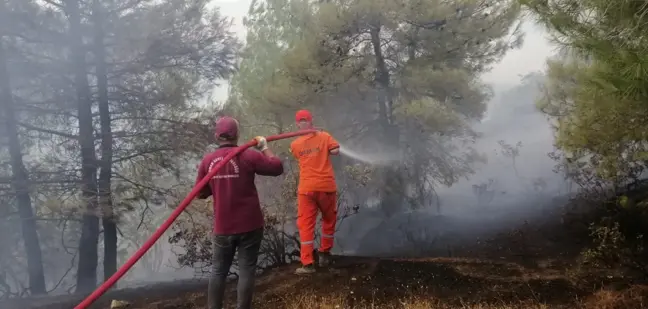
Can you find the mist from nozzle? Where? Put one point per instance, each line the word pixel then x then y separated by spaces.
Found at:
pixel 374 158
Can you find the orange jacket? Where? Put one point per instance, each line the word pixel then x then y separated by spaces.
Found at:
pixel 315 168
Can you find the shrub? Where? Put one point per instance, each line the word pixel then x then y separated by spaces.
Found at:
pixel 619 239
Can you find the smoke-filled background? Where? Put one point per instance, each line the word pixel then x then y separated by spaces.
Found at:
pixel 446 112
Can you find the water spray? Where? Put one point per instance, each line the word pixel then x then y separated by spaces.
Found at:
pixel 370 158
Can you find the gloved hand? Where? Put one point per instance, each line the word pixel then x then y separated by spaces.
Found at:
pixel 262 144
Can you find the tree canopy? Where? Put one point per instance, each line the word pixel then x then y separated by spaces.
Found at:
pixel 596 91
pixel 390 76
pixel 101 120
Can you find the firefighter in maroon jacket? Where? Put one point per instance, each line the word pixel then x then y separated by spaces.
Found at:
pixel 238 220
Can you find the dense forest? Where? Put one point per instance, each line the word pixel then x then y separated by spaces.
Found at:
pixel 106 107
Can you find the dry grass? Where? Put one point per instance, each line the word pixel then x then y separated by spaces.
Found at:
pixel 633 298
pixel 338 302
pixel 440 283
pixel 630 298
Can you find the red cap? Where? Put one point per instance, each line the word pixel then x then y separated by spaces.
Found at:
pixel 227 127
pixel 303 115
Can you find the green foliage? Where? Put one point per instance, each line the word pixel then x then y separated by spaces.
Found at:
pixel 155 75
pixel 608 33
pixel 272 28
pixel 619 242
pixel 596 95
pixel 381 75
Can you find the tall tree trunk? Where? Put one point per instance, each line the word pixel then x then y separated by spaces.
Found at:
pixel 382 81
pixel 88 257
pixel 20 181
pixel 393 189
pixel 105 175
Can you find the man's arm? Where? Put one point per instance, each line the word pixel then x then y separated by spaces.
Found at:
pixel 333 145
pixel 266 163
pixel 292 152
pixel 205 192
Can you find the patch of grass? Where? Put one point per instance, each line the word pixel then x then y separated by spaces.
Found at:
pixel 634 297
pixel 311 301
pixel 434 283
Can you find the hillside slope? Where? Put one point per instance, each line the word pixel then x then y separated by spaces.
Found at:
pixel 357 282
pixel 530 266
pixel 422 283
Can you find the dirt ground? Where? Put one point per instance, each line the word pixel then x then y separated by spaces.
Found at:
pixel 422 283
pixel 356 282
pixel 532 266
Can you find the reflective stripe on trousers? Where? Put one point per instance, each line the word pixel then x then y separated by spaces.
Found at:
pixel 308 205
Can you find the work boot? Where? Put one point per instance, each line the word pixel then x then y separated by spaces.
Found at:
pixel 305 270
pixel 324 259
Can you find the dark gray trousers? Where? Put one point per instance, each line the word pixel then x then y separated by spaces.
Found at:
pixel 224 247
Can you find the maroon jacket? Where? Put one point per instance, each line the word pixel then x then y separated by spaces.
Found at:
pixel 236 201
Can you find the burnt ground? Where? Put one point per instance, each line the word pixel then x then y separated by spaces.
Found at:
pixel 522 268
pixel 437 282
pixel 530 266
pixel 357 282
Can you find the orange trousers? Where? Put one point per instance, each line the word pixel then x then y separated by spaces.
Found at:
pixel 308 205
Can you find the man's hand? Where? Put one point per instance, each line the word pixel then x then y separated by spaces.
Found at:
pixel 262 144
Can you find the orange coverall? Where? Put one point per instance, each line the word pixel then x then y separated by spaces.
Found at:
pixel 316 191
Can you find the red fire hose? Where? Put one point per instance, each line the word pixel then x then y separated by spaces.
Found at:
pixel 174 215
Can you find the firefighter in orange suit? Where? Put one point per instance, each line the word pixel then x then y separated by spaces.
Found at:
pixel 317 191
